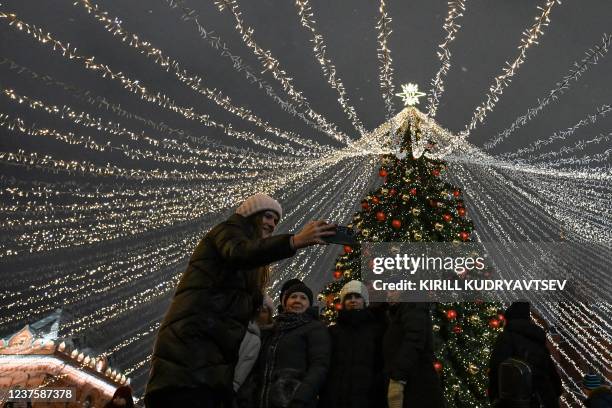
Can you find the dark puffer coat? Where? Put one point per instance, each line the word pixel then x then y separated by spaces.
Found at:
pixel 408 354
pixel 198 341
pixel 524 340
pixel 356 376
pixel 293 362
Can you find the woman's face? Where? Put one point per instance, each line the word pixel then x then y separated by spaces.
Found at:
pixel 265 316
pixel 297 302
pixel 267 223
pixel 353 301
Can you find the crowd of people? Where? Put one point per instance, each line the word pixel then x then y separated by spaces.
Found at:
pixel 219 344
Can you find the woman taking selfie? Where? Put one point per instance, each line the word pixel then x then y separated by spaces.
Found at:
pixel 197 346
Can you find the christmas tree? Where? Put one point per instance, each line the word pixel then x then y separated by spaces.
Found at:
pixel 414 204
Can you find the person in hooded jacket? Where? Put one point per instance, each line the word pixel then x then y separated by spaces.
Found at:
pixel 356 378
pixel 523 340
pixel 409 358
pixel 294 357
pixel 198 342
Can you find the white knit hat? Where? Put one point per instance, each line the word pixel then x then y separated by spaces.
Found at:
pixel 355 286
pixel 259 202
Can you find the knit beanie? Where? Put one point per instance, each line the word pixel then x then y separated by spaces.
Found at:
pixel 299 287
pixel 355 286
pixel 259 202
pixel 591 381
pixel 517 310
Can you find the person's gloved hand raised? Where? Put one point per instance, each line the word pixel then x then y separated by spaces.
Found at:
pixel 313 233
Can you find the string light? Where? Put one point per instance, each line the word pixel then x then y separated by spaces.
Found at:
pixel 329 70
pixel 455 11
pixel 503 80
pixel 600 112
pixel 383 26
pixel 269 63
pixel 578 68
pixel 216 43
pixel 135 87
pixel 113 26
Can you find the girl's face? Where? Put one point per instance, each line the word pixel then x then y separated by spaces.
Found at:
pixel 353 301
pixel 267 223
pixel 297 302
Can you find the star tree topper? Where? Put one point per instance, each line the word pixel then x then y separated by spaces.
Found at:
pixel 410 94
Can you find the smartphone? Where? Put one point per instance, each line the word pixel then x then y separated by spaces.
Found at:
pixel 344 236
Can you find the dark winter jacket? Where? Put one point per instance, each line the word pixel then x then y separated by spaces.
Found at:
pixel 600 398
pixel 356 376
pixel 198 341
pixel 293 362
pixel 408 354
pixel 523 340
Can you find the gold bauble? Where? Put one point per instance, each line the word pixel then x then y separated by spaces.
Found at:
pixel 436 328
pixel 384 191
pixel 365 232
pixel 347 273
pixel 417 235
pixel 472 369
pixel 474 318
pixel 416 211
pixel 405 197
pixel 321 297
pixel 438 226
pixel 456 387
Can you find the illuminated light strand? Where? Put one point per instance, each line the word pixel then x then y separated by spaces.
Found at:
pixel 456 8
pixel 592 58
pixel 329 70
pixel 269 63
pixel 116 274
pixel 102 103
pixel 530 36
pixel 134 86
pixel 113 26
pixel 590 119
pixel 130 223
pixel 151 330
pixel 216 43
pixel 491 222
pixel 383 53
pixel 85 120
pixel 582 161
pixel 580 145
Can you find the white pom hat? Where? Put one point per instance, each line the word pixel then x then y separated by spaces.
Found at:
pixel 259 202
pixel 355 286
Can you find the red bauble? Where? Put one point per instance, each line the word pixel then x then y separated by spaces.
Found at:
pixel 494 323
pixel 375 200
pixel 464 235
pixel 447 217
pixel 413 191
pixel 347 249
pixel 365 205
pixel 437 366
pixel 380 216
pixel 392 192
pixel 397 224
pixel 337 274
pixel 436 172
pixel 382 173
pixel 461 211
pixel 456 193
pixel 338 306
pixel 451 314
pixel 501 317
pixel 457 329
